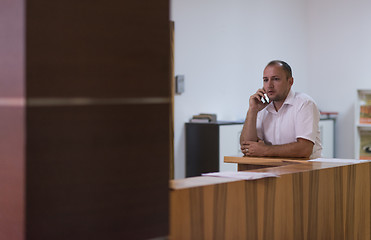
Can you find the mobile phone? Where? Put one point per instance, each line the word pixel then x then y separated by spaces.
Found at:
pixel 265 99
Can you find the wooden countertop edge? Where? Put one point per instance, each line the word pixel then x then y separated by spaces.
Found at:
pixel 199 181
pixel 263 160
pixel 280 166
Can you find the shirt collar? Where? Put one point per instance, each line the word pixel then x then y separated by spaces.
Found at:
pixel 288 101
pixel 290 98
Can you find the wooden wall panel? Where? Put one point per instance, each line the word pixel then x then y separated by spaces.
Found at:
pixel 85 108
pixel 90 175
pixel 98 48
pixel 332 203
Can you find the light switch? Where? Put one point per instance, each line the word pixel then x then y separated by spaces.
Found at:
pixel 179 84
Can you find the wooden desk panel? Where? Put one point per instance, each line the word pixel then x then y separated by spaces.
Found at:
pixel 253 163
pixel 308 201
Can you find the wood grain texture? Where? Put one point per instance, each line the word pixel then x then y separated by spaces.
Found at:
pixel 323 203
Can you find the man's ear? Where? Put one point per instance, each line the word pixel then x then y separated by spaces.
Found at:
pixel 291 81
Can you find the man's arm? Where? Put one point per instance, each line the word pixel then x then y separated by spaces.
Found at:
pixel 301 149
pixel 249 132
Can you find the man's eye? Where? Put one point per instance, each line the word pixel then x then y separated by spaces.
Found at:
pixel 276 79
pixel 265 80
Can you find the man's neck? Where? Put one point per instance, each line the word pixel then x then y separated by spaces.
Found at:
pixel 278 104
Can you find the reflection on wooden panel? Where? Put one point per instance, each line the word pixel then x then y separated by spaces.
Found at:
pixel 97 172
pixel 12 180
pixel 172 92
pixel 331 203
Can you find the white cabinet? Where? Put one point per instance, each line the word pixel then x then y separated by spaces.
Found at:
pixel 362 139
pixel 326 127
pixel 229 145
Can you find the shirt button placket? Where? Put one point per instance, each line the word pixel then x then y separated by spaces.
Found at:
pixel 276 128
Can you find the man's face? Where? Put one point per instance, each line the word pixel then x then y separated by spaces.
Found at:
pixel 275 83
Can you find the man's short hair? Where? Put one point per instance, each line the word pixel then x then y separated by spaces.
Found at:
pixel 284 66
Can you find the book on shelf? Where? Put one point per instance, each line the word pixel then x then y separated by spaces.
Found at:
pixel 365 114
pixel 365 146
pixel 203 118
pixel 365 109
pixel 200 120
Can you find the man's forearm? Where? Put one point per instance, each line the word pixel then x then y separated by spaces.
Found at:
pixel 300 149
pixel 249 132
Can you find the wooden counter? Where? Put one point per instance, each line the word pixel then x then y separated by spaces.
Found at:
pixel 309 200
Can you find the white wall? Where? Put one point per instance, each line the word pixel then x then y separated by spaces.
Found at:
pixel 339 60
pixel 222 47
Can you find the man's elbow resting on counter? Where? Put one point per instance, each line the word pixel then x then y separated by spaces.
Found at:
pixel 302 152
pixel 307 154
pixel 306 148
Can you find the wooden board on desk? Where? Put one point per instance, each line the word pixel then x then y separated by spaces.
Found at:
pixel 255 160
pixel 263 160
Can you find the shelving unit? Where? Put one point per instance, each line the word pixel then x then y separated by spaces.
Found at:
pixel 362 129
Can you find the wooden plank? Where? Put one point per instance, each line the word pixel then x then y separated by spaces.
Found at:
pixel 199 182
pixel 263 160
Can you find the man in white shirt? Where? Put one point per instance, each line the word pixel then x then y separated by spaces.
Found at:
pixel 287 125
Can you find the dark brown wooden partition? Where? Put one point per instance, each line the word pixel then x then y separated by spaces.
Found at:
pixel 84 119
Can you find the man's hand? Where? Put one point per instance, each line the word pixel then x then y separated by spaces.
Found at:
pixel 251 148
pixel 301 149
pixel 255 103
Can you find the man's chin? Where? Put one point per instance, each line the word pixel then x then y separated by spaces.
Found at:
pixel 276 99
pixel 272 99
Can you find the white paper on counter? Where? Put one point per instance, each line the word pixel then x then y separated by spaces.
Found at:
pixel 338 160
pixel 241 175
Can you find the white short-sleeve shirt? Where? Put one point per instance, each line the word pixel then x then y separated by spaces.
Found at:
pixel 297 118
